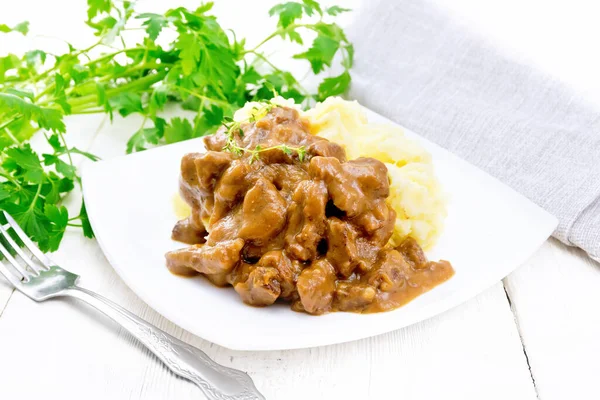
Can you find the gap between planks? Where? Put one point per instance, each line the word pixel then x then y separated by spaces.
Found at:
pixel 516 319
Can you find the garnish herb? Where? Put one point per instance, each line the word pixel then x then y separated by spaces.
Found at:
pixel 234 129
pixel 206 69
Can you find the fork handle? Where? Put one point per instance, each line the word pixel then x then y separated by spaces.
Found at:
pixel 216 381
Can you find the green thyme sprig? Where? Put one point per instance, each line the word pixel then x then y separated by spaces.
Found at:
pixel 234 128
pixel 289 150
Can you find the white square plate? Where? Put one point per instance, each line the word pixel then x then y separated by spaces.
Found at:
pixel 490 231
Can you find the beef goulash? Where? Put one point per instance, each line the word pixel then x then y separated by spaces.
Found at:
pixel 308 227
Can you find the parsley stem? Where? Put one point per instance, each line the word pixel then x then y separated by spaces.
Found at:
pixel 144 60
pixel 56 66
pixel 278 32
pixel 201 97
pixel 276 69
pixel 10 121
pixel 271 36
pixel 48 89
pixel 37 195
pixel 84 110
pixel 90 99
pixel 62 138
pixel 9 178
pixel 112 55
pixel 75 225
pixel 143 122
pixel 11 136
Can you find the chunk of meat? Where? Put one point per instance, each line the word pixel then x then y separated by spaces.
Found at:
pixel 342 251
pixel 325 148
pixel 390 273
pixel 232 184
pixel 413 253
pixel 287 271
pixel 316 286
pixel 351 185
pixel 225 228
pixel 188 180
pixel 252 252
pixel 368 252
pixel 377 222
pixel 205 210
pixel 353 296
pixel 231 188
pixel 220 279
pixel 261 288
pixel 344 192
pixel 372 176
pixel 263 212
pixel 285 177
pixel 217 141
pixel 280 126
pixel 181 269
pixel 400 283
pixel 209 167
pixel 187 231
pixel 206 259
pixel 306 220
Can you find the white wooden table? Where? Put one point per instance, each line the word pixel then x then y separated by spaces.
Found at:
pixel 534 335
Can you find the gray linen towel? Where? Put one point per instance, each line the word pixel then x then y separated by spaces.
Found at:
pixel 417 66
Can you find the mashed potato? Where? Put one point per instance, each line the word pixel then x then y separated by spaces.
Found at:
pixel 415 193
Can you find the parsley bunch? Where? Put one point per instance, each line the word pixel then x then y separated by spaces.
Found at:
pixel 206 69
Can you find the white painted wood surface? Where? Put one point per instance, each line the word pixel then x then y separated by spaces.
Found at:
pixel 465 351
pixel 62 349
pixel 555 297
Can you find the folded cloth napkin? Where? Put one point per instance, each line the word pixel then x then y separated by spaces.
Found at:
pixel 417 66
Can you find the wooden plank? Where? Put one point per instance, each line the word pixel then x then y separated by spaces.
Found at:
pixel 555 299
pixel 471 352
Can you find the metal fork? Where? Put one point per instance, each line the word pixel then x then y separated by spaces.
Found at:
pixel 44 279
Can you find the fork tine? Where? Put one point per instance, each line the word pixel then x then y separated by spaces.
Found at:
pixel 14 262
pixel 36 269
pixel 28 243
pixel 10 275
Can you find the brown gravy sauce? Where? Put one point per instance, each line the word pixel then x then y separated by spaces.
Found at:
pixel 313 232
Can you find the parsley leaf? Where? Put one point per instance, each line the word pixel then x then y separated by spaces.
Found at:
pixel 336 10
pixel 179 129
pixel 154 24
pixel 205 68
pixel 88 232
pixel 96 7
pixel 334 86
pixel 142 139
pixel 46 118
pixel 58 218
pixel 24 162
pixel 321 53
pixel 287 12
pixel 127 103
pixel 311 6
pixel 22 28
